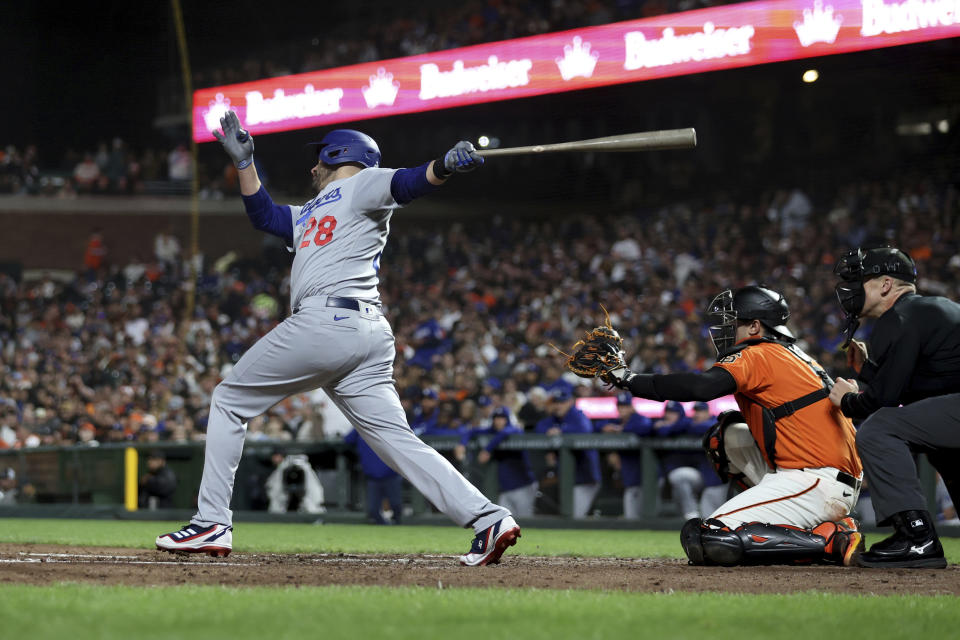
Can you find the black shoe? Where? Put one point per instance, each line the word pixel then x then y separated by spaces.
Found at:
pixel 914 545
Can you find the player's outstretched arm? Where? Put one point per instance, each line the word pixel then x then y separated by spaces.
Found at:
pixel 409 184
pixel 238 143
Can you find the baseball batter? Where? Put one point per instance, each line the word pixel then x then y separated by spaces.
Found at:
pixel 336 338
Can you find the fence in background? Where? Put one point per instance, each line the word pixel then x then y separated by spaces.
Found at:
pixel 95 476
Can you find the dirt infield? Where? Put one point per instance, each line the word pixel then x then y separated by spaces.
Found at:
pixel 46 564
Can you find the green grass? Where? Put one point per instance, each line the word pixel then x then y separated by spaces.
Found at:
pixel 349 538
pixel 106 612
pixel 81 611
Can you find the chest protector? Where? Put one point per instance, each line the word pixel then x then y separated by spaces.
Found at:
pixel 772 414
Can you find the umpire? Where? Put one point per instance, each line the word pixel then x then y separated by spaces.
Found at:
pixel 913 360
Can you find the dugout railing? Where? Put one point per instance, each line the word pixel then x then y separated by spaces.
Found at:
pixel 99 476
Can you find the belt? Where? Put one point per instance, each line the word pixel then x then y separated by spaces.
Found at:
pixel 343 303
pixel 849 480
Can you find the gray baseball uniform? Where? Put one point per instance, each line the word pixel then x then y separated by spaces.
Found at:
pixel 336 339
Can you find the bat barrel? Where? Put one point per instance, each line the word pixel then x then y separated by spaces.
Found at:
pixel 641 141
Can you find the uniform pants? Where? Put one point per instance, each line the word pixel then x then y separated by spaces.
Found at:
pixel 583 495
pixel 685 485
pixel 352 360
pixel 519 501
pixel 800 497
pixel 887 440
pixel 378 489
pixel 632 502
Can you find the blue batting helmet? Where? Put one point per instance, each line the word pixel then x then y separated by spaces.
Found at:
pixel 341 146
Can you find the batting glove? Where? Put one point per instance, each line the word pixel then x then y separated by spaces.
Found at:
pixel 462 158
pixel 236 141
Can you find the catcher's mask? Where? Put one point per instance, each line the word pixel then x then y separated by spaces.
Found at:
pixel 858 266
pixel 748 303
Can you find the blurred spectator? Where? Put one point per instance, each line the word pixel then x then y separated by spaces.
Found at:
pixel 86 175
pixel 563 418
pixel 424 417
pixel 946 511
pixel 680 468
pixel 715 491
pixel 12 491
pixel 384 485
pixel 96 253
pixel 535 408
pixel 294 486
pixel 158 484
pixel 516 482
pixel 631 475
pixel 166 248
pixel 179 164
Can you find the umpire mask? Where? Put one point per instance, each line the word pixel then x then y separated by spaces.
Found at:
pixel 859 265
pixel 723 321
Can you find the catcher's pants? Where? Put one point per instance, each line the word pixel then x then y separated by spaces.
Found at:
pixel 351 358
pixel 800 497
pixel 519 501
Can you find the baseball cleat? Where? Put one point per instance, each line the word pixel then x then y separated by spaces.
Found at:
pixel 851 541
pixel 913 545
pixel 215 540
pixel 489 544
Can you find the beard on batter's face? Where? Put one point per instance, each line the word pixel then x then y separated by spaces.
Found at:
pixel 322 173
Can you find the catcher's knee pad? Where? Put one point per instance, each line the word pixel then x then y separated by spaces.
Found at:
pixel 710 542
pixel 691 542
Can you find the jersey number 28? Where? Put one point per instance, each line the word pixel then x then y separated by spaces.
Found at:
pixel 325 227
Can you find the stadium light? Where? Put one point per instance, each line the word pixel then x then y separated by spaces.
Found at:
pixel 483 141
pixel 811 75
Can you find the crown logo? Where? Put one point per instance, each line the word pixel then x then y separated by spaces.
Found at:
pixel 819 25
pixel 381 90
pixel 218 108
pixel 577 60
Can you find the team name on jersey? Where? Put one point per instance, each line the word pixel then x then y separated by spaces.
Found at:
pixel 327 198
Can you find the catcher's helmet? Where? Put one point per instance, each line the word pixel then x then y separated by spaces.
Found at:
pixel 748 303
pixel 341 146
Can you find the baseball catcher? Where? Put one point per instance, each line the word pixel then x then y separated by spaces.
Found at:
pixel 792 450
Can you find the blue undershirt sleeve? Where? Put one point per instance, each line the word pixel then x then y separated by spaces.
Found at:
pixel 409 184
pixel 267 216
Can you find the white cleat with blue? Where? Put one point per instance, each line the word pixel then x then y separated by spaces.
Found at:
pixel 489 544
pixel 215 540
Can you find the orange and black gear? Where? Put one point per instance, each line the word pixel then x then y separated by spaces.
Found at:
pixel 772 375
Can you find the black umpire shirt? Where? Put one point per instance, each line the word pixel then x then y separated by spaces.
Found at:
pixel 914 354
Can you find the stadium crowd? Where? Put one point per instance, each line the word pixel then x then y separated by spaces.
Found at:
pixel 476 306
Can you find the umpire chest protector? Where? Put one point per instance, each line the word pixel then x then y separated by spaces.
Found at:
pixel 773 414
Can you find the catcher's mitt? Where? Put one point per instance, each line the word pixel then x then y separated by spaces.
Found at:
pixel 599 353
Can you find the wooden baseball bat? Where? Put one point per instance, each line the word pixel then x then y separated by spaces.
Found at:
pixel 642 141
